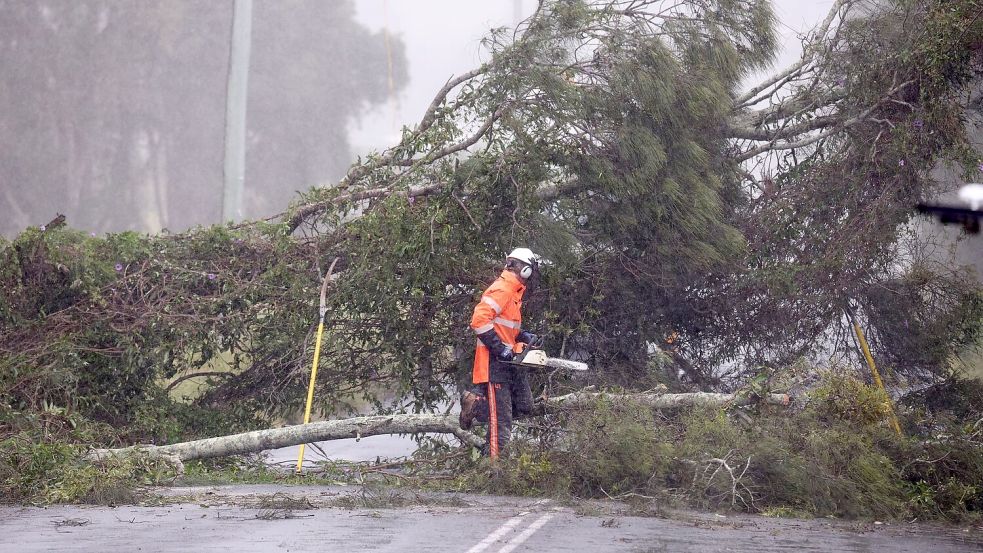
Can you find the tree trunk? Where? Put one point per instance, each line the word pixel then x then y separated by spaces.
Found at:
pixel 656 400
pixel 273 438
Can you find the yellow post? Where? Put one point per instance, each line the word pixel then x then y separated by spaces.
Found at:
pixel 310 389
pixel 873 369
pixel 317 356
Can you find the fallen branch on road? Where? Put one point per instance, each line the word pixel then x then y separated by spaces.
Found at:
pixel 273 438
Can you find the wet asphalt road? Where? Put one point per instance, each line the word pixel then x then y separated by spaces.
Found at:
pixel 204 521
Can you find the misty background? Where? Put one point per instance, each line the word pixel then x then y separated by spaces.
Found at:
pixel 113 113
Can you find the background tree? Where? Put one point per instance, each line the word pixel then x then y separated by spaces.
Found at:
pixel 120 106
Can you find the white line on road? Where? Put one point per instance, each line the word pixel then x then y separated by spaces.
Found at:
pixel 509 524
pixel 517 541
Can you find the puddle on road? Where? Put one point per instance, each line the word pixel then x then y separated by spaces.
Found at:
pixel 350 449
pixel 357 450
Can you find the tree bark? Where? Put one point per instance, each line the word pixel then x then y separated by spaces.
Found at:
pixel 656 400
pixel 273 438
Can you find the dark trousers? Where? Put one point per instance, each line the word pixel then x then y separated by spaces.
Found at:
pixel 512 397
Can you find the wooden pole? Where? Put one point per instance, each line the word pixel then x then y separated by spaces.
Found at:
pixel 317 357
pixel 873 370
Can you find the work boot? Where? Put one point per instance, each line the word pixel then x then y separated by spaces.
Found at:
pixel 469 411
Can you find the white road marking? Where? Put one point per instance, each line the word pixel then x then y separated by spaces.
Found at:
pixel 493 537
pixel 517 541
pixel 509 525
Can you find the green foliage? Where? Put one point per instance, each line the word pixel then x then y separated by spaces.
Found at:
pixel 922 319
pixel 205 472
pixel 614 449
pixel 121 314
pixel 846 399
pixel 944 475
pixel 106 483
pixel 41 452
pixel 525 473
pixel 28 467
pixel 826 223
pixel 47 468
pixel 958 398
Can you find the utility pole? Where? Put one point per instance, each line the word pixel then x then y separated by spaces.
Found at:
pixel 235 111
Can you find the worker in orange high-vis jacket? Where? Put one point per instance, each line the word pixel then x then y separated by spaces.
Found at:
pixel 501 388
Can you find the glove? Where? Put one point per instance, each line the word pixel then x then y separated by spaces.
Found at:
pixel 534 341
pixel 506 354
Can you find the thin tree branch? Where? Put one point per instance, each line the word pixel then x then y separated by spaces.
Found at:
pixel 430 115
pixel 453 148
pixel 180 379
pixel 750 133
pixel 863 116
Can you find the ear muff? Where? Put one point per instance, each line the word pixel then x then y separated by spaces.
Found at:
pixel 526 271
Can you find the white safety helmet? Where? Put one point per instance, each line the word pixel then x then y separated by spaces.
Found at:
pixel 528 258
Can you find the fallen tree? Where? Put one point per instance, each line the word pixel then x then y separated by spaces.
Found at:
pixel 358 427
pixel 611 139
pixel 273 438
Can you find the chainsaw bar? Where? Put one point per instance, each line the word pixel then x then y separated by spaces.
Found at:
pixel 537 359
pixel 566 364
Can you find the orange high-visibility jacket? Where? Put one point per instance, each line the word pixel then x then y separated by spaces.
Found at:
pixel 499 309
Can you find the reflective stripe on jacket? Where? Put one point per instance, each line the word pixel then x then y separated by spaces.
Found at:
pixel 499 309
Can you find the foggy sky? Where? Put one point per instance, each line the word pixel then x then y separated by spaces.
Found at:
pixel 442 39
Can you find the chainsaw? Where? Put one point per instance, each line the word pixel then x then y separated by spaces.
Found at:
pixel 537 359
